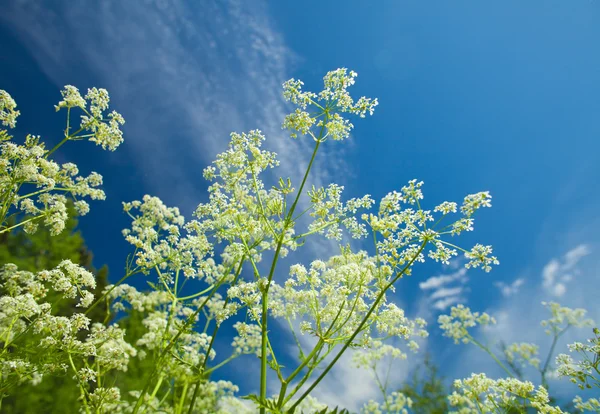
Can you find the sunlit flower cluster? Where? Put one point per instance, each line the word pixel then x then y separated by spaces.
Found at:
pixel 103 130
pixel 333 297
pixel 8 110
pixel 461 319
pixel 329 212
pixel 564 317
pixel 584 372
pixel 523 353
pixel 480 394
pixel 394 403
pixel 33 184
pixel 325 107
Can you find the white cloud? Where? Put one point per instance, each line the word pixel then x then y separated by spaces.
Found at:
pixel 445 292
pixel 184 74
pixel 445 303
pixel 510 288
pixel 557 273
pixel 436 282
pixel 573 256
pixel 442 296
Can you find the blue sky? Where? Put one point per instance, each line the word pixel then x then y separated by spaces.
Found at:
pixel 498 96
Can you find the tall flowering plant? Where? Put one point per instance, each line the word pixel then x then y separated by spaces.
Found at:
pixel 208 271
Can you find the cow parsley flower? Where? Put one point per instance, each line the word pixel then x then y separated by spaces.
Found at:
pixel 583 372
pixel 563 317
pixel 396 403
pixel 323 110
pixel 8 110
pixel 481 255
pixel 71 98
pixel 480 394
pixel 461 319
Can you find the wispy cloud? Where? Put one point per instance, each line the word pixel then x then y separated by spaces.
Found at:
pixel 185 75
pixel 558 272
pixel 509 289
pixel 442 296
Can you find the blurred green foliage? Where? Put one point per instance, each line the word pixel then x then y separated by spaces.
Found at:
pixel 36 252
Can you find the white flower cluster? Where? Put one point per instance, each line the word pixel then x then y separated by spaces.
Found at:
pixel 164 241
pixel 190 347
pixel 23 310
pixel 378 351
pixel 240 212
pixel 8 110
pixel 25 166
pixel 585 372
pixel 405 229
pixel 480 394
pixel 327 105
pixel 37 186
pixel 103 130
pixel 564 317
pixel 523 353
pixel 124 293
pixel 394 403
pixel 461 319
pixel 247 340
pixel 329 212
pixel 592 405
pixel 333 297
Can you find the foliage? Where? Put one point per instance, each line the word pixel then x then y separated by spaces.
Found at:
pixel 34 253
pixel 426 389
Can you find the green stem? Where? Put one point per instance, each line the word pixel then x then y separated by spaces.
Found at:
pixel 490 353
pixel 359 329
pixel 82 390
pixel 196 294
pixel 182 398
pixel 265 307
pixel 212 341
pixel 88 310
pixel 219 365
pixel 158 363
pixel 299 369
pixel 21 223
pixel 549 357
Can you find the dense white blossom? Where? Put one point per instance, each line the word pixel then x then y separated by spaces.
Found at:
pixel 461 319
pixel 585 371
pixel 480 394
pixel 8 110
pixel 325 107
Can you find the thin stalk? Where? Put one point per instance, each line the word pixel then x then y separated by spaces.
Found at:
pixel 544 370
pixel 21 223
pixel 356 332
pixel 212 341
pixel 182 398
pixel 208 289
pixel 265 308
pixel 81 388
pixel 490 353
pixel 93 305
pixel 189 322
pixel 299 369
pixel 220 364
